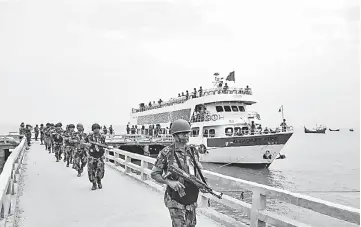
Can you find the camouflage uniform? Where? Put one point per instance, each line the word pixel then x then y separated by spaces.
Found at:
pixel 181 215
pixel 41 134
pixel 58 142
pixel 80 156
pixel 96 158
pixel 22 131
pixel 69 147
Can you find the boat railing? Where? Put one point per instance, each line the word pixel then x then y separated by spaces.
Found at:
pixel 206 92
pixel 253 208
pixel 9 182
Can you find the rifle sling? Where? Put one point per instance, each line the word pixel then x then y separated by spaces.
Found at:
pixel 197 167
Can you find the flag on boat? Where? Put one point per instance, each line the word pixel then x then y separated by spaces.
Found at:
pixel 231 77
pixel 280 109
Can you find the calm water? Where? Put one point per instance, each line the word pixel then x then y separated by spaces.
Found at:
pixel 314 162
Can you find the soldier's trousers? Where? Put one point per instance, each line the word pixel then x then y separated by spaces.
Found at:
pixel 68 154
pixel 48 144
pixel 80 160
pixel 58 151
pixel 183 217
pixel 95 169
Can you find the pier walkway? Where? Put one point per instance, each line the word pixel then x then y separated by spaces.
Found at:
pixel 52 195
pixel 37 191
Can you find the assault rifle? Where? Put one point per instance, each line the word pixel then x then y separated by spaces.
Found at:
pixel 193 180
pixel 98 144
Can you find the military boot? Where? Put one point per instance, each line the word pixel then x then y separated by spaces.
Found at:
pixel 94 186
pixel 100 186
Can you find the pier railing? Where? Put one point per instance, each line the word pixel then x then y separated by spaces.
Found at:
pixel 9 179
pixel 256 212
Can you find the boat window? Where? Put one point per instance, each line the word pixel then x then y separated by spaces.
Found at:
pixel 195 132
pixel 227 108
pixel 234 109
pixel 219 108
pixel 212 133
pixel 229 131
pixel 205 133
pixel 241 108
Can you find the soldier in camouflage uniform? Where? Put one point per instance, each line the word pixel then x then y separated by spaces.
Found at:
pixel 96 157
pixel 180 196
pixel 64 144
pixel 70 144
pixel 41 134
pixel 57 136
pixel 28 134
pixel 22 130
pixel 80 156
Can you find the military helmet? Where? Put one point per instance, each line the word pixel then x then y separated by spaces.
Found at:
pixel 71 126
pixel 95 126
pixel 180 125
pixel 79 125
pixel 47 124
pixel 59 125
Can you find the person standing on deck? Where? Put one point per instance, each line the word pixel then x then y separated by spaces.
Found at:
pixel 105 130
pixel 182 209
pixel 57 136
pixel 36 131
pixel 70 145
pixel 41 134
pixel 111 130
pixel 284 125
pixel 80 156
pixel 96 157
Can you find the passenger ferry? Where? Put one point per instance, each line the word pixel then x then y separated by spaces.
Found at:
pixel 221 125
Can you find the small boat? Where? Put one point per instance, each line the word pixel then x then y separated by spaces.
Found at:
pixel 351 129
pixel 334 130
pixel 319 129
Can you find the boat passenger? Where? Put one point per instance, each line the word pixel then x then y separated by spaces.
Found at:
pixel 200 91
pixel 284 125
pixel 187 94
pixel 225 88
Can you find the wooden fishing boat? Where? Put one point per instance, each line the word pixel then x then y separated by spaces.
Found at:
pixel 334 130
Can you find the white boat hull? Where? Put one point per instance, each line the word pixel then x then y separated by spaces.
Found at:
pixel 248 155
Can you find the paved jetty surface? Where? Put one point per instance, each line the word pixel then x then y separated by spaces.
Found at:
pixel 51 195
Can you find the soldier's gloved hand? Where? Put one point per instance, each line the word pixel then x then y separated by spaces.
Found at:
pixel 175 185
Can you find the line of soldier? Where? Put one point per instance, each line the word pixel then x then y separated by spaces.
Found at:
pixel 180 196
pixel 77 149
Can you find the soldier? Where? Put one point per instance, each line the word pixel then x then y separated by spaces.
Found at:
pixel 22 130
pixel 41 134
pixel 180 196
pixel 80 156
pixel 51 140
pixel 58 141
pixel 36 130
pixel 28 134
pixel 70 144
pixel 64 145
pixel 96 157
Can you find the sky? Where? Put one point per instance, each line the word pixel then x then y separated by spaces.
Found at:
pixel 93 60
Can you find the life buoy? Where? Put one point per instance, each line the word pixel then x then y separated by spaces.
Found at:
pixel 214 117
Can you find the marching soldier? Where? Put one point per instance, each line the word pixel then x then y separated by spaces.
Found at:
pixel 36 130
pixel 41 134
pixel 70 144
pixel 22 130
pixel 80 156
pixel 51 141
pixel 180 196
pixel 28 134
pixel 96 157
pixel 58 141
